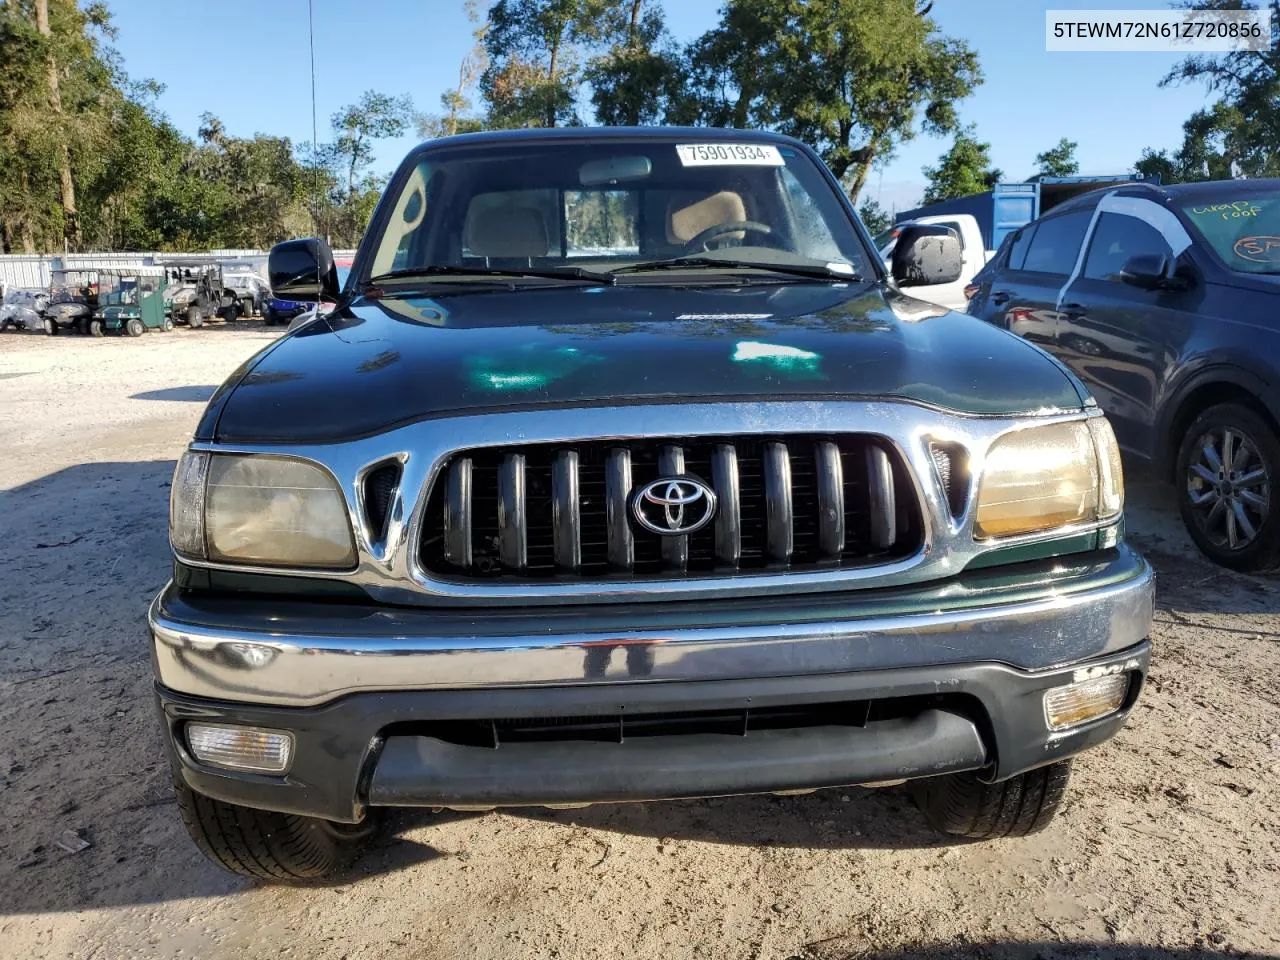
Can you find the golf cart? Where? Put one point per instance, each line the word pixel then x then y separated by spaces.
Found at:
pixel 72 304
pixel 23 309
pixel 196 292
pixel 129 301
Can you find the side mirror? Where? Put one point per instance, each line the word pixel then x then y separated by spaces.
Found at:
pixel 1150 271
pixel 926 254
pixel 303 270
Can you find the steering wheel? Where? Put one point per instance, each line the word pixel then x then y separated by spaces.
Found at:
pixel 699 243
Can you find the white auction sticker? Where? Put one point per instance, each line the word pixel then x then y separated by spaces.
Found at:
pixel 728 155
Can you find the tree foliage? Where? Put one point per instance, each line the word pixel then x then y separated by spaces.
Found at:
pixel 1237 135
pixel 1059 160
pixel 853 78
pixel 99 167
pixel 875 217
pixel 963 170
pixel 457 115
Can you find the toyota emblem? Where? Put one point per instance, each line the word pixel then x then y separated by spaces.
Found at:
pixel 674 506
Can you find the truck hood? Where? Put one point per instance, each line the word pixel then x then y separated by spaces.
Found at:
pixel 375 364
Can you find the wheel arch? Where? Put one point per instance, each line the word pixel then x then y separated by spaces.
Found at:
pixel 1219 384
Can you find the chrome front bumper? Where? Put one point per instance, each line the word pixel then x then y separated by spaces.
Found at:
pixel 298 654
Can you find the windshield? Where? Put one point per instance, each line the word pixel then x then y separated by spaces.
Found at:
pixel 602 206
pixel 1244 233
pixel 885 237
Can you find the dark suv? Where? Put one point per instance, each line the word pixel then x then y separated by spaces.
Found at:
pixel 622 469
pixel 1165 301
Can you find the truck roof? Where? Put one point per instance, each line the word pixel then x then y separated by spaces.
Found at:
pixel 554 134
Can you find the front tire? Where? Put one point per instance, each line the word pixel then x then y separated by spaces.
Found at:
pixel 51 326
pixel 195 319
pixel 1226 464
pixel 962 805
pixel 134 327
pixel 265 845
pixel 95 328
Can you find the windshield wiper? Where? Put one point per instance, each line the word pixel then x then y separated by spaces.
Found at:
pixel 569 275
pixel 818 271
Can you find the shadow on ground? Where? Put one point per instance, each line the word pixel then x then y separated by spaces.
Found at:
pixel 842 948
pixel 195 393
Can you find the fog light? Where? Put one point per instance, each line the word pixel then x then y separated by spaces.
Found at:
pixel 241 748
pixel 1077 703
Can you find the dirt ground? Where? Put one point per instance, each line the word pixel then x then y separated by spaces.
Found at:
pixel 1169 845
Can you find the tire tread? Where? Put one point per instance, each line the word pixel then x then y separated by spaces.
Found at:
pixel 962 805
pixel 264 844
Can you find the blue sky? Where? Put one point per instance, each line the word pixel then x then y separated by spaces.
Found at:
pixel 254 74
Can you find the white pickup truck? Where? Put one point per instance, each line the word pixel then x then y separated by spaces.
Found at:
pixel 973 254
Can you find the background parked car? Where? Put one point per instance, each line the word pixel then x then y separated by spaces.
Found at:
pixel 973 257
pixel 278 310
pixel 1165 301
pixel 251 292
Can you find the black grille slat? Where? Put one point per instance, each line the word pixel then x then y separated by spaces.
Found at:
pixel 882 502
pixel 779 536
pixel 566 516
pixel 512 513
pixel 457 514
pixel 621 543
pixel 562 511
pixel 728 522
pixel 675 550
pixel 829 498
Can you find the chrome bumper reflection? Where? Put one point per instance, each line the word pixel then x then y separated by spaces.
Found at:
pixel 258 665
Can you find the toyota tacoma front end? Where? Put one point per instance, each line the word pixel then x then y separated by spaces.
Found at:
pixel 622 471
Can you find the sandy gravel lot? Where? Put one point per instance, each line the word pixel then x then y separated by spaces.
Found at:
pixel 1169 847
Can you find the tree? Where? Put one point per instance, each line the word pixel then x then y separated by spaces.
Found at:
pixel 963 170
pixel 634 80
pixel 456 102
pixel 58 96
pixel 375 116
pixel 874 216
pixel 1058 161
pixel 1237 134
pixel 853 78
pixel 535 50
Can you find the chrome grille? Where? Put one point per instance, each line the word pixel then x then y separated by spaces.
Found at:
pixel 562 510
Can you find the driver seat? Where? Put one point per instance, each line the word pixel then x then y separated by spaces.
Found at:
pixel 687 217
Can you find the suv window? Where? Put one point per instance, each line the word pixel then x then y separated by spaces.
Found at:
pixel 1057 243
pixel 1018 249
pixel 1118 238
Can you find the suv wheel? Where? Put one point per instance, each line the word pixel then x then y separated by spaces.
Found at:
pixel 1227 461
pixel 265 845
pixel 962 805
pixel 194 317
pixel 51 326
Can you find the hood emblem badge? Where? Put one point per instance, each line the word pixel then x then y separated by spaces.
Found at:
pixel 673 506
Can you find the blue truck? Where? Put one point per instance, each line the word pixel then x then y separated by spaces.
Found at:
pixel 1007 206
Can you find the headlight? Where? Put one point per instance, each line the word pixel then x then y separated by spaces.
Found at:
pixel 258 510
pixel 1042 478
